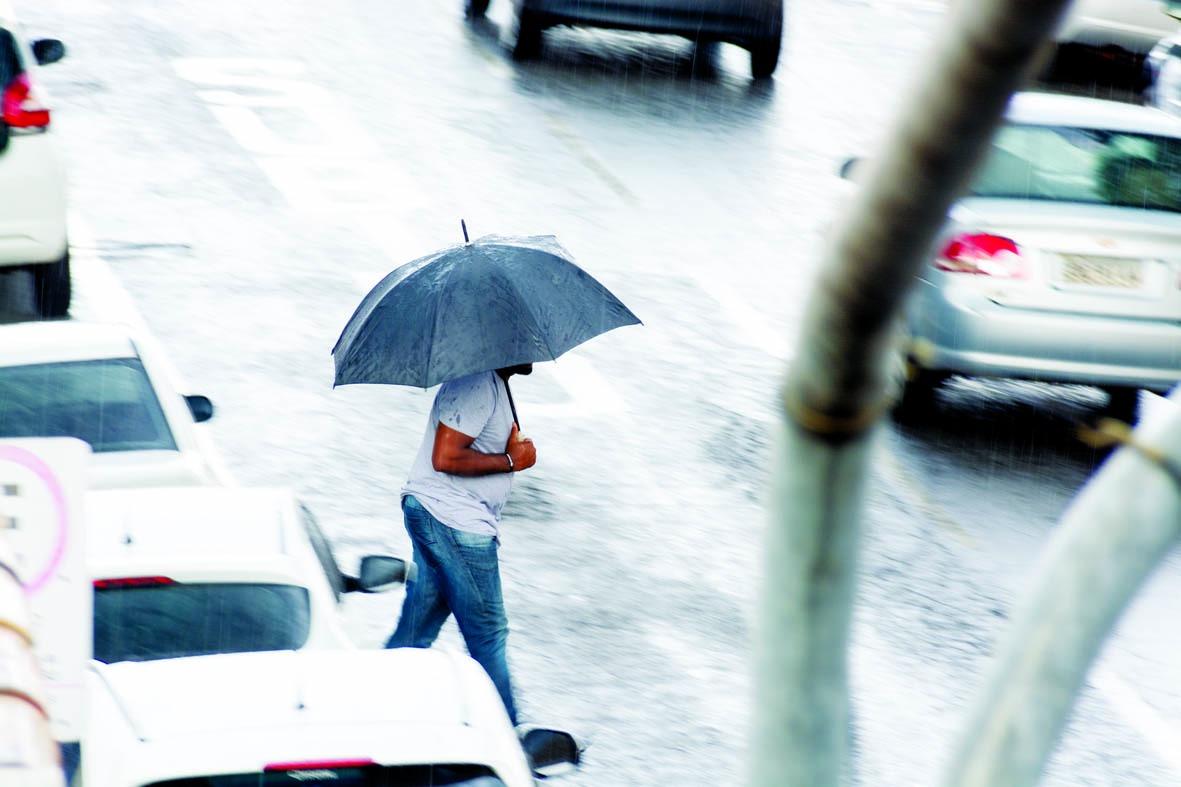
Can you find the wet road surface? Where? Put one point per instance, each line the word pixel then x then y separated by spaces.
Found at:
pixel 249 170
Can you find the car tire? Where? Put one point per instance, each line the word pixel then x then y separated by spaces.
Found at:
pixel 764 57
pixel 476 9
pixel 916 400
pixel 1123 404
pixel 51 288
pixel 529 36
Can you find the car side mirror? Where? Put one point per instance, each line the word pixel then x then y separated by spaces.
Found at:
pixel 200 406
pixel 848 168
pixel 48 50
pixel 381 572
pixel 550 752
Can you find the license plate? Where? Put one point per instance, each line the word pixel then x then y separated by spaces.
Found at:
pixel 1079 271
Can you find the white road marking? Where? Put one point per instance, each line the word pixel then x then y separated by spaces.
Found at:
pixel 755 330
pixel 595 393
pixel 342 173
pixel 105 299
pixel 1163 737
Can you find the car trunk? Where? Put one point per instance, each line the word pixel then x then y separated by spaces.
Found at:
pixel 1087 259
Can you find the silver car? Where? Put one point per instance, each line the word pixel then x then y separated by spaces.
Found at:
pixel 1063 264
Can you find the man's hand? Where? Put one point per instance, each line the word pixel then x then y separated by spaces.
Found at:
pixel 453 453
pixel 521 449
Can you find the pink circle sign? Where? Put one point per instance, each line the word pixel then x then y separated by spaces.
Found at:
pixel 30 461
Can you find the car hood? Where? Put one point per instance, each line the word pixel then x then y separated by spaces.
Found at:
pixel 126 469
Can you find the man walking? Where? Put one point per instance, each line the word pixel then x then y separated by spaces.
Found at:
pixel 451 504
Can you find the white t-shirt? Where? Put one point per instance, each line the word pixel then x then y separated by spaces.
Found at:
pixel 478 406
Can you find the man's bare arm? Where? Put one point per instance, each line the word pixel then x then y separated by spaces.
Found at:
pixel 453 453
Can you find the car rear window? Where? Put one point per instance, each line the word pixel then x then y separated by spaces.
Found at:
pixel 369 776
pixel 108 403
pixel 1064 164
pixel 160 621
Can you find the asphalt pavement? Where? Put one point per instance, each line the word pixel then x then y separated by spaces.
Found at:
pixel 248 170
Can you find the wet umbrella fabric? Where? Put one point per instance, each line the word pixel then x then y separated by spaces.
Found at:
pixel 489 304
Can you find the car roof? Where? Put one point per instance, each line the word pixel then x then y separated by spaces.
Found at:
pixel 188 522
pixel 1083 112
pixel 63 341
pixel 229 693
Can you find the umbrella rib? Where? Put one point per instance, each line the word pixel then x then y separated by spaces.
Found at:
pixel 430 348
pixel 529 311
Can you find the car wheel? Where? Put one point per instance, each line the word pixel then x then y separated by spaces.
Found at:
pixel 764 57
pixel 51 288
pixel 476 9
pixel 529 30
pixel 916 402
pixel 1123 404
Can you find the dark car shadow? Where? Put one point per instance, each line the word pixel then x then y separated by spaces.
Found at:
pixel 653 76
pixel 1022 427
pixel 16 296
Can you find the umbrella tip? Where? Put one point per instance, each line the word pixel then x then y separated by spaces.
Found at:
pixel 463 226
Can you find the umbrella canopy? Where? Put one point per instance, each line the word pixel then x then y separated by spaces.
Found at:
pixel 489 304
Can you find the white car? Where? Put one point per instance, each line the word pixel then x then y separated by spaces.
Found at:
pixel 386 718
pixel 32 180
pixel 108 387
pixel 202 570
pixel 1132 25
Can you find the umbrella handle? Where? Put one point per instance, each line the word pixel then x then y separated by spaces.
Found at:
pixel 512 405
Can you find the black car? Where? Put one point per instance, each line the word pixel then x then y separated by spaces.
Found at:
pixel 754 25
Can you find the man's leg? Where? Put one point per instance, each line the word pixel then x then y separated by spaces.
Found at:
pixel 424 610
pixel 471 584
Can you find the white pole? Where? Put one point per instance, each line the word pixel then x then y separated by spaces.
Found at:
pixel 29 756
pixel 1113 536
pixel 836 390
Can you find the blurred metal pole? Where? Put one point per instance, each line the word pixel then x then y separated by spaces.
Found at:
pixel 29 756
pixel 837 387
pixel 1105 547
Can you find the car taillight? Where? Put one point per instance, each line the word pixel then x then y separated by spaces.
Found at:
pixel 318 765
pixel 132 582
pixel 984 255
pixel 19 106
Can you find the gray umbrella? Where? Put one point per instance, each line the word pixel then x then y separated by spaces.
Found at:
pixel 489 304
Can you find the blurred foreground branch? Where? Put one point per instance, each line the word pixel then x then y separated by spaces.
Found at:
pixel 837 388
pixel 1106 546
pixel 28 753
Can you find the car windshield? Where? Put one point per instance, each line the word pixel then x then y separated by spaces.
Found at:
pixel 368 776
pixel 1063 164
pixel 107 403
pixel 163 619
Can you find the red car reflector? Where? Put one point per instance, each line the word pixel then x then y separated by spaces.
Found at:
pixel 983 254
pixel 132 582
pixel 19 106
pixel 318 765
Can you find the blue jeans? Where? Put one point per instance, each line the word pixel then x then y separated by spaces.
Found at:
pixel 457 573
